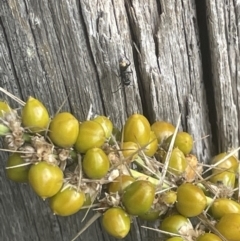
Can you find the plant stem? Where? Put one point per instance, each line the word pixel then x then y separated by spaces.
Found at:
pixel 154 181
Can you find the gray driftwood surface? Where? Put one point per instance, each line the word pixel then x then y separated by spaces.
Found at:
pixel 185 60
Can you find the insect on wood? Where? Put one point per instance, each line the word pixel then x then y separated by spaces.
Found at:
pixel 125 74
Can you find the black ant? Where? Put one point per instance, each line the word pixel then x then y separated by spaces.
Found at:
pixel 125 75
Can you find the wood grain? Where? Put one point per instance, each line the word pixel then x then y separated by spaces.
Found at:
pixel 224 47
pixel 68 51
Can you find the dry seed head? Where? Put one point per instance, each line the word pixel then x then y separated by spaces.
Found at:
pixel 112 200
pixel 190 234
pixel 221 190
pixel 111 153
pixel 9 118
pixel 73 178
pixel 92 189
pixel 113 175
pixel 12 121
pixel 113 158
pixel 63 154
pixel 13 140
pixel 43 150
pixel 28 153
pixel 159 206
pixel 193 169
pixel 225 191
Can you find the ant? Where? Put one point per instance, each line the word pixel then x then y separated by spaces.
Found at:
pixel 124 73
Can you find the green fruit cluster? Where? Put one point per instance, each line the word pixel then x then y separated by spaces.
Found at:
pixel 145 171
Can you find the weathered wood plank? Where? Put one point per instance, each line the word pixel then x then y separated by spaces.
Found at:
pixel 109 37
pixel 171 70
pixel 223 26
pixel 47 55
pixel 70 50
